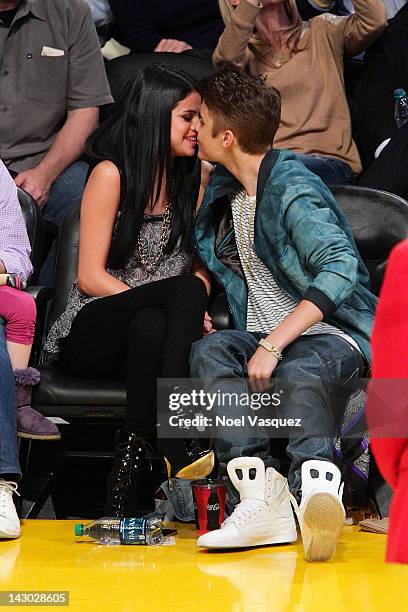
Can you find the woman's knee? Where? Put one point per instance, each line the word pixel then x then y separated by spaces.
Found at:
pixel 192 288
pixel 149 324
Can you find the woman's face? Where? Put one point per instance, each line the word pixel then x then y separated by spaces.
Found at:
pixel 183 126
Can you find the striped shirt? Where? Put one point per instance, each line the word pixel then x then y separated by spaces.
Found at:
pixel 14 244
pixel 268 304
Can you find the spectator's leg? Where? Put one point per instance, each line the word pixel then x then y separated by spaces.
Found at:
pixel 19 310
pixel 185 307
pixel 97 344
pixel 220 361
pixel 317 374
pixel 332 171
pixel 146 338
pixel 9 464
pixel 390 171
pixel 66 194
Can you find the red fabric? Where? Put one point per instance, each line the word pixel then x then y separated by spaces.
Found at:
pixel 390 361
pixel 18 309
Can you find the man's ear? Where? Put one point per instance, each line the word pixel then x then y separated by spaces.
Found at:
pixel 228 139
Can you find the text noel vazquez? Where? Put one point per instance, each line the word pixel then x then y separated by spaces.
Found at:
pixel 201 421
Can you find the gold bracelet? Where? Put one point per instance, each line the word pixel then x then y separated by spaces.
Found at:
pixel 271 349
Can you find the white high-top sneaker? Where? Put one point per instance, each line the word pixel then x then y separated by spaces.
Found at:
pixel 321 512
pixel 264 514
pixel 9 521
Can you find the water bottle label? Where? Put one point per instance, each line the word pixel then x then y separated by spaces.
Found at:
pixel 133 531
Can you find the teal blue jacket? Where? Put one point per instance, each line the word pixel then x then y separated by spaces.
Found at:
pixel 303 238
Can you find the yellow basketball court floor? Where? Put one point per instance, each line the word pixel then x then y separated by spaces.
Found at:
pixel 49 557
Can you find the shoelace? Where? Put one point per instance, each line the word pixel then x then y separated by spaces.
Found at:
pixel 141 445
pixel 243 510
pixel 6 489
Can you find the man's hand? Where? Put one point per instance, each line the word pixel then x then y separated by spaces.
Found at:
pixel 37 183
pixel 207 326
pixel 260 369
pixel 172 46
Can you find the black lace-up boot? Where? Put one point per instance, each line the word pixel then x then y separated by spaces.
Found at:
pixel 136 474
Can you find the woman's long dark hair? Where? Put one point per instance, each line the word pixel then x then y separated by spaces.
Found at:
pixel 136 138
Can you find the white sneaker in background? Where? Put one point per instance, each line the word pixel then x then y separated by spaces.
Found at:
pixel 264 514
pixel 321 512
pixel 9 521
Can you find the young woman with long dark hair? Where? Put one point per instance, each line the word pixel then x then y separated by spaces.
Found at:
pixel 140 298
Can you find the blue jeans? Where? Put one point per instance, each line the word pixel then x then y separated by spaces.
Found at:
pixel 9 465
pixel 179 504
pixel 332 171
pixel 313 367
pixel 66 194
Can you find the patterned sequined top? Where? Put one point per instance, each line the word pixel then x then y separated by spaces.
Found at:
pixel 134 274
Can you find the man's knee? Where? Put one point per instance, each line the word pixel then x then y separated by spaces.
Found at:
pixel 210 351
pixel 206 346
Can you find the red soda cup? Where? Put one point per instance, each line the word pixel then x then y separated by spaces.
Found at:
pixel 209 504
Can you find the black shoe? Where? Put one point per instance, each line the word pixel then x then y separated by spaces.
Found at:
pixel 136 474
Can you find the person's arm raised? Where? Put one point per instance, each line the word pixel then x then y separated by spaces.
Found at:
pixel 99 208
pixel 354 33
pixel 364 26
pixel 232 47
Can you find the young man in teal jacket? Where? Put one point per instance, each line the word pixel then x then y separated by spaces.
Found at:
pixel 273 236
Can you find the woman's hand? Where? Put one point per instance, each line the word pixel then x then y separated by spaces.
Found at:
pixel 207 327
pixel 260 369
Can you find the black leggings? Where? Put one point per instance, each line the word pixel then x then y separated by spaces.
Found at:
pixel 138 336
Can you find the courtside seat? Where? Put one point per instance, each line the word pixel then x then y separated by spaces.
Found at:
pixel 379 221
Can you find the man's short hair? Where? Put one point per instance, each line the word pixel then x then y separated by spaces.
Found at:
pixel 244 104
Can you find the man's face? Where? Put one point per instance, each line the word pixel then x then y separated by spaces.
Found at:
pixel 209 147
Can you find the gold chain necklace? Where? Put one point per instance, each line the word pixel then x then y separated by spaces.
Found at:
pixel 151 264
pixel 246 252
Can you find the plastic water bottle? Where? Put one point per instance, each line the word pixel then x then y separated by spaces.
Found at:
pixel 109 530
pixel 401 107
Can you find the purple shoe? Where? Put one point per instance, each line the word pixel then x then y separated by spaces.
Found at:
pixel 30 422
